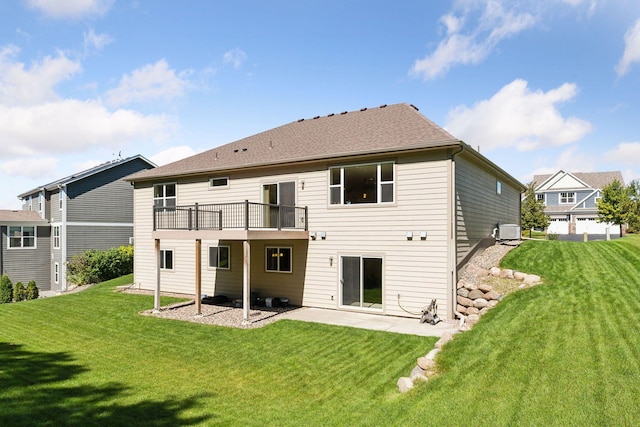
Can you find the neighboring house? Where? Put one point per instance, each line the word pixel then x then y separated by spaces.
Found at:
pixel 92 209
pixel 570 200
pixel 372 210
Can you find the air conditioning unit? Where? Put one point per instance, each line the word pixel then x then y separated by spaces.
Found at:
pixel 509 232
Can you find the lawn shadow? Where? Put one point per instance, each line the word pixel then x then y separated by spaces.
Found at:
pixel 33 392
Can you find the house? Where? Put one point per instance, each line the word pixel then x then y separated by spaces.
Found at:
pixel 570 200
pixel 92 209
pixel 372 210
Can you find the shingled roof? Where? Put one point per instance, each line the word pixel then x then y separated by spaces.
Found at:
pixel 20 217
pixel 592 179
pixel 383 129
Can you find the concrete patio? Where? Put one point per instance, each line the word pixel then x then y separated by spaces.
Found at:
pixel 401 325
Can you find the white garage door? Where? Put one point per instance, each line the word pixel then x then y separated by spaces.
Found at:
pixel 591 226
pixel 558 226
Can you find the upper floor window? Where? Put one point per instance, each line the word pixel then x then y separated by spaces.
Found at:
pixel 164 195
pixel 566 198
pixel 219 182
pixel 540 197
pixel 498 187
pixel 368 183
pixel 56 237
pixel 22 237
pixel 60 199
pixel 219 257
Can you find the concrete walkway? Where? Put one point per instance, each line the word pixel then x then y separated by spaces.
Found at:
pixel 400 325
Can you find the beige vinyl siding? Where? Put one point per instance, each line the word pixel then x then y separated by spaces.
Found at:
pixel 478 206
pixel 416 269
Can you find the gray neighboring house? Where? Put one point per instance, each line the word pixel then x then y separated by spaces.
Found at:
pixel 570 200
pixel 92 209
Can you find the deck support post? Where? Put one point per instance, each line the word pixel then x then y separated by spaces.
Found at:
pixel 156 294
pixel 246 280
pixel 198 277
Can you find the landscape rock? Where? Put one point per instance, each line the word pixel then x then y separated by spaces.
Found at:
pixel 519 275
pixel 425 363
pixel 472 319
pixel 524 285
pixel 532 279
pixel 493 303
pixel 491 295
pixel 418 374
pixel 404 384
pixel 476 270
pixel 470 286
pixel 475 294
pixel 463 292
pixel 444 338
pixel 484 310
pixel 432 354
pixel 471 311
pixel 484 287
pixel 480 303
pixel 494 271
pixel 464 301
pixel 507 273
pixel 461 309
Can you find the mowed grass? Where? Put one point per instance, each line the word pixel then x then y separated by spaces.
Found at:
pixel 563 353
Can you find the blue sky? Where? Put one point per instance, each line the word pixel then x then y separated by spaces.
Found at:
pixel 537 86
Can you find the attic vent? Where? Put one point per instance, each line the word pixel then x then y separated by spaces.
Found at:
pixel 244 149
pixel 363 109
pixel 414 107
pixel 300 120
pixel 236 150
pixel 344 112
pixel 331 115
pixel 383 105
pixel 316 117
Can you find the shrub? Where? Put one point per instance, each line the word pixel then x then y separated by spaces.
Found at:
pixel 19 292
pixel 32 291
pixel 552 236
pixel 6 289
pixel 95 266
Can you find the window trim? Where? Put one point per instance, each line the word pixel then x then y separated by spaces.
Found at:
pixel 163 259
pixel 164 198
pixel 218 187
pixel 56 273
pixel 279 270
pixel 379 183
pixel 216 267
pixel 22 246
pixel 569 200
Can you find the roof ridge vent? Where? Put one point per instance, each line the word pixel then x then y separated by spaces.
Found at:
pixel 363 109
pixel 414 107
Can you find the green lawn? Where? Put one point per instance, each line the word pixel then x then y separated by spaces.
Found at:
pixel 562 353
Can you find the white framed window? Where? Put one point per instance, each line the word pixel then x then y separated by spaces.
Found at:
pixel 540 197
pixel 30 203
pixel 21 237
pixel 56 237
pixel 56 272
pixel 166 259
pixel 164 195
pixel 365 183
pixel 278 259
pixel 498 187
pixel 60 199
pixel 219 182
pixel 40 204
pixel 220 257
pixel 567 198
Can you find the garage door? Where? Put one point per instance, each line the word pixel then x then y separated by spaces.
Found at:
pixel 590 225
pixel 558 226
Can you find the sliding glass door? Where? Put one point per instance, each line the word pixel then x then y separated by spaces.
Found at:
pixel 361 281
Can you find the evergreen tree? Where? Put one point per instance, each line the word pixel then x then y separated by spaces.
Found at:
pixel 633 214
pixel 614 205
pixel 533 215
pixel 6 289
pixel 32 290
pixel 19 292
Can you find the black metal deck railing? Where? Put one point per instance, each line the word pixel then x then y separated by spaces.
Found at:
pixel 222 216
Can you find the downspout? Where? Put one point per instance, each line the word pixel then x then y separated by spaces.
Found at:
pixel 454 237
pixel 63 239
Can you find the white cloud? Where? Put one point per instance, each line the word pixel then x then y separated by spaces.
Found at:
pixel 69 125
pixel 71 9
pixel 627 153
pixel 236 57
pixel 28 86
pixel 471 47
pixel 149 83
pixel 95 41
pixel 33 167
pixel 517 117
pixel 631 49
pixel 172 154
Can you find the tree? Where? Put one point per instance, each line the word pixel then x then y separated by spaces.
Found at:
pixel 6 289
pixel 533 215
pixel 18 292
pixel 614 205
pixel 32 291
pixel 633 214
